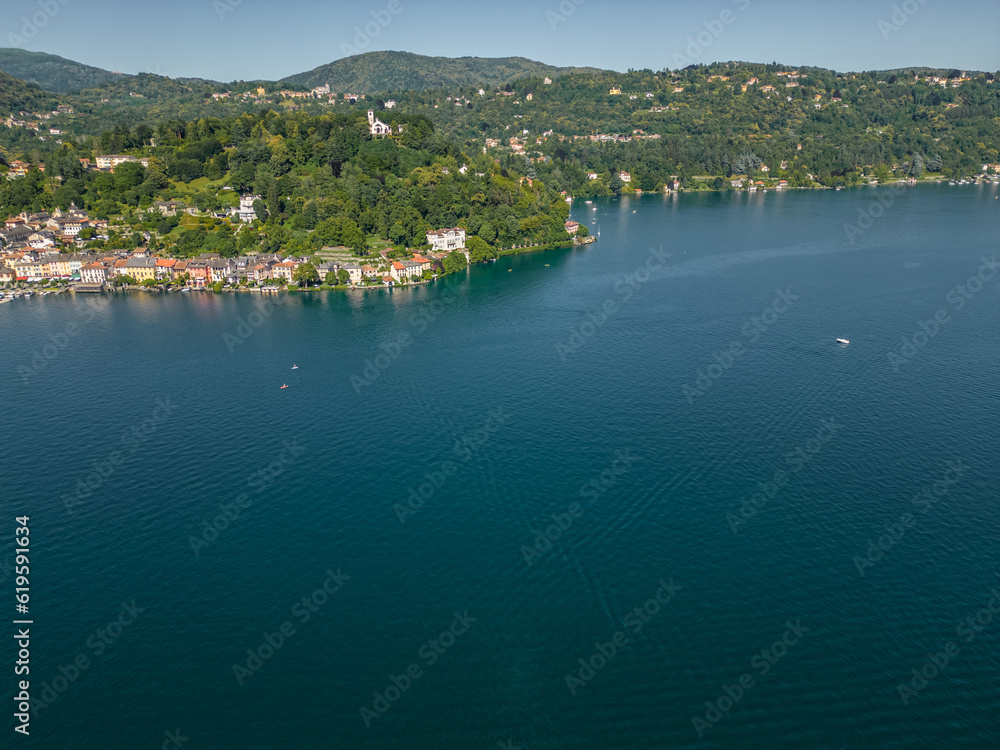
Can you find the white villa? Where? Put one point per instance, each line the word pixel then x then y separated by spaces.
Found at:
pixel 245 212
pixel 447 239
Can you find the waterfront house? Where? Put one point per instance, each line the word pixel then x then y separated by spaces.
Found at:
pixel 354 270
pixel 140 269
pixel 447 239
pixel 398 272
pixel 7 275
pixel 197 271
pixel 284 270
pixel 94 273
pixel 165 268
pixel 571 227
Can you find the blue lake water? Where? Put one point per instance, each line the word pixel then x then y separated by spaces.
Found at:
pixel 491 474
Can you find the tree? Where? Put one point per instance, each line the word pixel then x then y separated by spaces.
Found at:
pixel 455 261
pixel 480 251
pixel 330 278
pixel 306 274
pixel 343 276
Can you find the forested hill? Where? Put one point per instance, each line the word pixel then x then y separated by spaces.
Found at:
pixel 373 72
pixel 51 72
pixel 17 95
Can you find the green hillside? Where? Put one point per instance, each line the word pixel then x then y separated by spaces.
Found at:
pixel 51 72
pixel 17 95
pixel 373 72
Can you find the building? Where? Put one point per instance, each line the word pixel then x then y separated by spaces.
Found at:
pixel 447 239
pixel 94 273
pixel 246 212
pixel 625 176
pixel 140 269
pixel 110 161
pixel 376 126
pixel 571 227
pixel 284 270
pixel 165 268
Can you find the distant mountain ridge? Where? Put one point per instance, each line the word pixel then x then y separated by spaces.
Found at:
pixel 51 72
pixel 372 72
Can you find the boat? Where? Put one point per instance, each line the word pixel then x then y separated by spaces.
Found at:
pixel 283 388
pixel 589 202
pixel 295 367
pixel 843 341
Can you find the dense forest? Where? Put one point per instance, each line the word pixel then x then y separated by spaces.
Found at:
pixel 321 180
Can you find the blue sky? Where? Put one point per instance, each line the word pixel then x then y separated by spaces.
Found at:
pixel 249 39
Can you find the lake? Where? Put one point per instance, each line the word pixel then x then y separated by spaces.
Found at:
pixel 632 494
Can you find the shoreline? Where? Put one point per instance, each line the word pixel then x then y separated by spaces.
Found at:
pixel 30 289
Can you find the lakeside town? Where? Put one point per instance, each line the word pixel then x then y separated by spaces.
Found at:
pixel 30 260
pixel 30 256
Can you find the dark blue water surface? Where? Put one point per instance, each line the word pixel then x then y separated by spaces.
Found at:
pixel 638 392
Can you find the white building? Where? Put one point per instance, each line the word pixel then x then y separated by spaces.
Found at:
pixel 376 126
pixel 447 239
pixel 245 212
pixel 94 273
pixel 110 161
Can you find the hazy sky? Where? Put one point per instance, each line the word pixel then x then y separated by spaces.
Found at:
pixel 249 39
